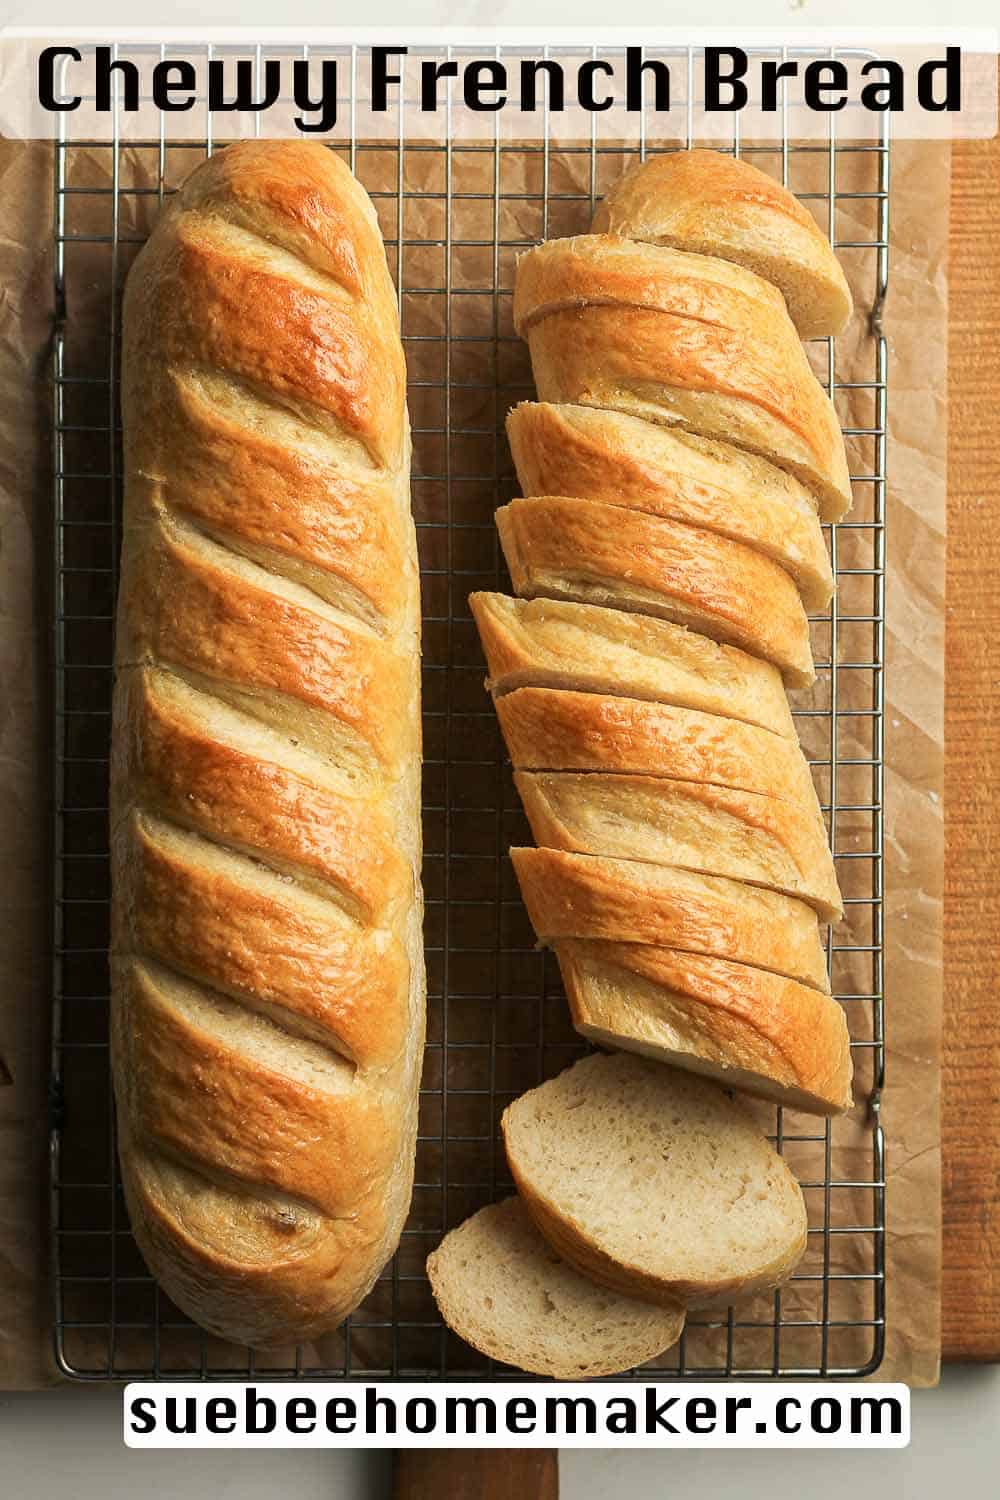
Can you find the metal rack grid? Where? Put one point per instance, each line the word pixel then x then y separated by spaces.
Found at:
pixel 454 214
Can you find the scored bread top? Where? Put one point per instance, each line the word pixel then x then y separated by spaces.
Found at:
pixel 681 339
pixel 558 643
pixel 504 1290
pixel 623 460
pixel 654 1182
pixel 591 552
pixel 713 204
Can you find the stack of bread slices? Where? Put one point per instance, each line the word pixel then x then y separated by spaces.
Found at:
pixel 665 558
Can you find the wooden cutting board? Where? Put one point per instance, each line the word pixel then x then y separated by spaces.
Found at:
pixel 971 1062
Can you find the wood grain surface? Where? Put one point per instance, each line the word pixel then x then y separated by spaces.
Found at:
pixel 971 1079
pixel 476 1474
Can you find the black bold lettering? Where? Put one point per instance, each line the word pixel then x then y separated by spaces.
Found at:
pixel 716 80
pixel 382 78
pixel 46 78
pixel 951 98
pixel 164 85
pixel 327 101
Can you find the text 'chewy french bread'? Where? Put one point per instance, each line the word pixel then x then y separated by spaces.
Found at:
pixel 267 959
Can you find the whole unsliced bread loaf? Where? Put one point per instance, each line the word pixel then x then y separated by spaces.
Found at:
pixel 655 1183
pixel 267 964
pixel 505 1291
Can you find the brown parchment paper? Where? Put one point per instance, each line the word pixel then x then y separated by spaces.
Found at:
pixel 916 322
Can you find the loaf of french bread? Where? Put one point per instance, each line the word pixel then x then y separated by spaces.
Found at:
pixel 267 959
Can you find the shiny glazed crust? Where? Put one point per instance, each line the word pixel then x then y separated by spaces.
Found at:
pixel 562 644
pixel 266 935
pixel 549 729
pixel 710 203
pixel 763 840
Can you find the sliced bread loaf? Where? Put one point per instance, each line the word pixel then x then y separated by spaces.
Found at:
pixel 503 1289
pixel 607 455
pixel 628 901
pixel 711 203
pixel 685 340
pixel 558 547
pixel 765 841
pixel 557 644
pixel 654 1182
pixel 746 1028
pixel 549 729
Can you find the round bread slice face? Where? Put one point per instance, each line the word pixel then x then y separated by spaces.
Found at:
pixel 502 1288
pixel 654 1182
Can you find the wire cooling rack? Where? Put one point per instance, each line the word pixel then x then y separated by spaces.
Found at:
pixel 454 215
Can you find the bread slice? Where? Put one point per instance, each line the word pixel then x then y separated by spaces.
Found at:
pixel 609 456
pixel 549 729
pixel 556 644
pixel 502 1288
pixel 654 1182
pixel 742 1027
pixel 709 202
pixel 762 840
pixel 685 340
pixel 592 896
pixel 558 547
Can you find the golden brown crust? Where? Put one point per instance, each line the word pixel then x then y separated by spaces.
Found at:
pixel 560 644
pixel 562 548
pixel 550 730
pixel 213 784
pixel 784 1039
pixel 680 339
pixel 763 840
pixel 184 1085
pixel 184 603
pixel 266 953
pixel 710 203
pixel 592 896
pixel 622 460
